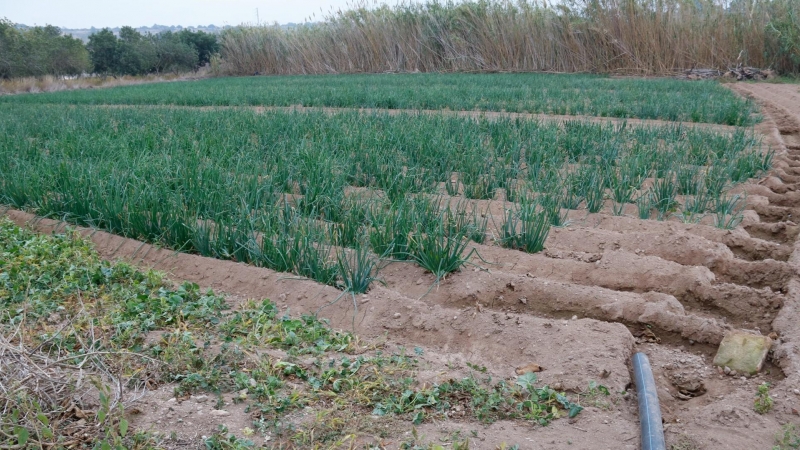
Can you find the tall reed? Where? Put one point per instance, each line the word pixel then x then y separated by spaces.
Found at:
pixel 630 36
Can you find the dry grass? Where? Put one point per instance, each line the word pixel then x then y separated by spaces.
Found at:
pixel 627 36
pixel 50 83
pixel 44 394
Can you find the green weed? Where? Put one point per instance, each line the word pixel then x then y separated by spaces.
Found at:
pixel 763 402
pixel 788 438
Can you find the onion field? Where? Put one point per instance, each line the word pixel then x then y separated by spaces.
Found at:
pixel 328 196
pixel 562 94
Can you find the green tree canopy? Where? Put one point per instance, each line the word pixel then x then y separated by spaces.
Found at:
pixel 40 51
pixel 174 54
pixel 133 53
pixel 103 49
pixel 205 43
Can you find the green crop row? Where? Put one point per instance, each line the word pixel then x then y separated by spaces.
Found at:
pixel 575 94
pixel 323 196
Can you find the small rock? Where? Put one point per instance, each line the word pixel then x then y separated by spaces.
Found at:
pixel 172 400
pixel 574 317
pixel 396 315
pixel 742 351
pixel 796 391
pixel 200 398
pixel 219 413
pixel 523 300
pixel 726 370
pixel 252 382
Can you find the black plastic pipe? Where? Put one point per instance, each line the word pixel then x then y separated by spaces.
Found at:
pixel 649 409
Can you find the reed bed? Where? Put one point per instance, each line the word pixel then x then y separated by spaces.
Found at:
pixel 626 36
pixel 324 196
pixel 576 94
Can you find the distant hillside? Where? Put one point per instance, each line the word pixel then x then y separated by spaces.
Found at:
pixel 84 33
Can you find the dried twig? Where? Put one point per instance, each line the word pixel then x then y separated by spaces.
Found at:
pixel 47 380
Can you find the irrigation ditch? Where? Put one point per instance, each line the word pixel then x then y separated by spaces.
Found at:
pixel 605 287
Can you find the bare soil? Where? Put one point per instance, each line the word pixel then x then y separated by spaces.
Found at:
pixel 604 288
pixel 475 114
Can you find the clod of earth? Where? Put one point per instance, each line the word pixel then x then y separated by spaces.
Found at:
pixel 743 352
pixel 688 389
pixel 527 368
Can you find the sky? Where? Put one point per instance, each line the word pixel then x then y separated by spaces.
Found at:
pixel 136 13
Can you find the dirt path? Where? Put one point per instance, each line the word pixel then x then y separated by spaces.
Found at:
pixel 605 287
pixel 781 103
pixel 490 115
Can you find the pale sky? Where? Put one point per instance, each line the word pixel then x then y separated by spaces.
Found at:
pixel 136 13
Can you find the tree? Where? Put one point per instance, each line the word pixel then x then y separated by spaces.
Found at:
pixel 103 49
pixel 174 54
pixel 137 53
pixel 51 53
pixel 9 43
pixel 70 57
pixel 38 51
pixel 205 43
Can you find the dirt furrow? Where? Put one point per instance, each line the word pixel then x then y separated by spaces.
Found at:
pixel 679 247
pixel 490 115
pixel 737 240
